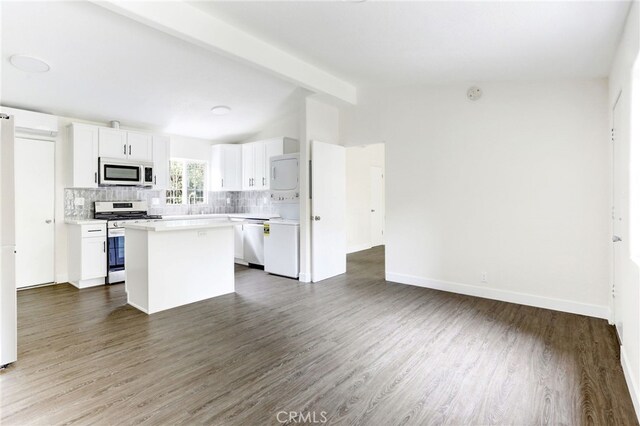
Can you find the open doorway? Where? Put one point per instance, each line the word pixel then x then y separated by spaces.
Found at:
pixel 365 197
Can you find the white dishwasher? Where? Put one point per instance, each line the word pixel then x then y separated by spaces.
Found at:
pixel 253 244
pixel 281 247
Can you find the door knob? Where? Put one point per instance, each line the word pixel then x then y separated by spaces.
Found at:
pixel 373 211
pixel 316 218
pixel 616 239
pixel 48 221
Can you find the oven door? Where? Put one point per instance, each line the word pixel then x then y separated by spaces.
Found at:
pixel 117 172
pixel 115 258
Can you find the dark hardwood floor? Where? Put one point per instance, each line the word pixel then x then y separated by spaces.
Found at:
pixel 353 350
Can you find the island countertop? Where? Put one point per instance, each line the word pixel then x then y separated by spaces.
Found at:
pixel 179 225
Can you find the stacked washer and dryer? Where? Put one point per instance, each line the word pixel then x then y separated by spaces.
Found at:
pixel 282 235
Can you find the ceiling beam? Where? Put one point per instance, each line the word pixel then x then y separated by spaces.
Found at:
pixel 193 25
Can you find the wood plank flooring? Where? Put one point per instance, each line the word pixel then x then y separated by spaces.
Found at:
pixel 353 350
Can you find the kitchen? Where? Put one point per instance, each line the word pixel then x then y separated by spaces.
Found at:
pixel 121 176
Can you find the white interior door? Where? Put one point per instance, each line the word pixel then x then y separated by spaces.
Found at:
pixel 377 207
pixel 619 195
pixel 34 171
pixel 328 211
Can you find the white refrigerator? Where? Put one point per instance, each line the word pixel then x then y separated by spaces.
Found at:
pixel 8 299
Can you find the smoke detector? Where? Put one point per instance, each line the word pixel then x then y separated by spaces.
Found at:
pixel 474 93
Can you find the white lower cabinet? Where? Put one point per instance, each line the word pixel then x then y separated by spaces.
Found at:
pixel 87 254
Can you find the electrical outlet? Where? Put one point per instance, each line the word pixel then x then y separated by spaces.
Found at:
pixel 78 201
pixel 202 233
pixel 483 277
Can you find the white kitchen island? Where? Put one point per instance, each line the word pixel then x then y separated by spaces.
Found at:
pixel 173 263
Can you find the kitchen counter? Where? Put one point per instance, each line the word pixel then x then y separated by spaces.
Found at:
pixel 259 216
pixel 179 225
pixel 84 221
pixel 172 263
pixel 195 216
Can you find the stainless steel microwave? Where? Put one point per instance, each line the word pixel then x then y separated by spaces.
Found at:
pixel 116 172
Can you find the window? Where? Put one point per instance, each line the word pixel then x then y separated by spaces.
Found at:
pixel 187 182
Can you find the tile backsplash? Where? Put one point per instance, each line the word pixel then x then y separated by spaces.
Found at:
pixel 79 202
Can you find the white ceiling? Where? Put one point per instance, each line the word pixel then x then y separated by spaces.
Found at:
pixel 107 67
pixel 394 42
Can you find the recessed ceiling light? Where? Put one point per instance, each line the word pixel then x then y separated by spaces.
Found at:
pixel 220 110
pixel 29 63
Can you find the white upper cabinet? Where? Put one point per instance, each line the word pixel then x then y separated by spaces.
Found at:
pixel 256 157
pixel 160 162
pixel 89 142
pixel 83 141
pixel 112 143
pixel 139 146
pixel 226 167
pixel 248 166
pixel 122 144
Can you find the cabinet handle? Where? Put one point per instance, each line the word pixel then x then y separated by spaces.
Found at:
pixel 95 177
pixel 262 181
pixel 104 247
pixel 155 180
pixel 273 173
pixel 124 149
pixel 129 149
pixel 222 183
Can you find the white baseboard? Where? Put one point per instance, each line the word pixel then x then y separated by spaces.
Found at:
pixel 357 248
pixel 304 277
pixel 62 279
pixel 631 383
pixel 589 310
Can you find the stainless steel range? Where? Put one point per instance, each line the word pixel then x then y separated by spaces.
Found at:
pixel 117 213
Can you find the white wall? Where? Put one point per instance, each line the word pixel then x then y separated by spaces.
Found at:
pixel 190 148
pixel 515 185
pixel 360 159
pixel 321 122
pixel 287 126
pixel 627 278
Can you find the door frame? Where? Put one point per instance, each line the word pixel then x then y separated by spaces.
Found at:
pixel 612 287
pixel 381 205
